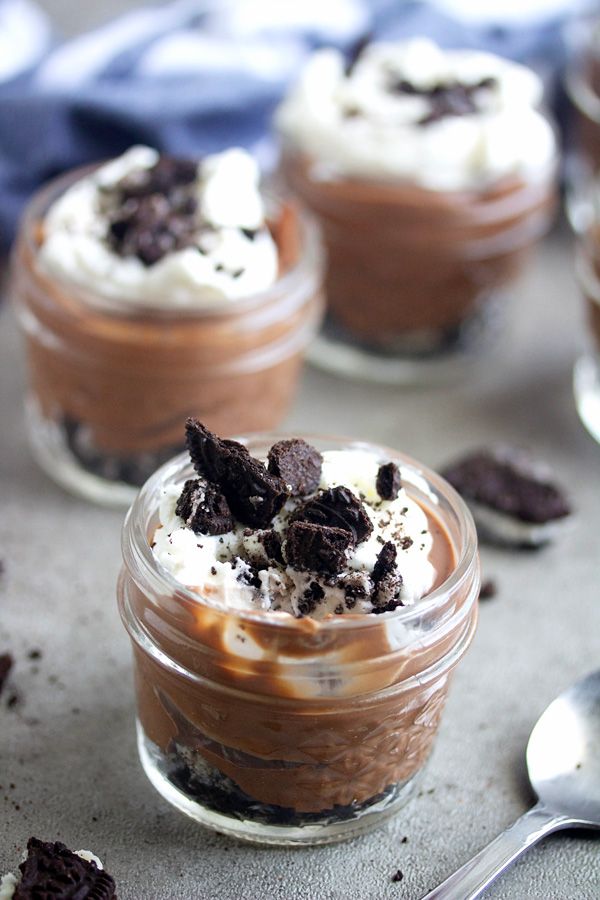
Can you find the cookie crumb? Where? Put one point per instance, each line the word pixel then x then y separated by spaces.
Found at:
pixel 398 875
pixel 488 589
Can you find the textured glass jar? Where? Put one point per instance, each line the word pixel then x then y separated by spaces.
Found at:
pixel 583 89
pixel 111 382
pixel 415 277
pixel 283 730
pixel 586 375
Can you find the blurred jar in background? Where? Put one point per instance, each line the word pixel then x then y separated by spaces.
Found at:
pixel 432 173
pixel 151 289
pixel 583 89
pixel 586 380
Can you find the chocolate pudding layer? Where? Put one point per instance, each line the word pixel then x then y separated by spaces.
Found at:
pixel 298 686
pixel 432 174
pixel 408 266
pixel 149 297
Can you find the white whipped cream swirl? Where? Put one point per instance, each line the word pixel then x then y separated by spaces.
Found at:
pixel 217 566
pixel 235 258
pixel 357 124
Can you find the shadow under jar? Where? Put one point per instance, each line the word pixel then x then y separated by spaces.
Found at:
pixel 586 374
pixel 416 276
pixel 110 382
pixel 283 730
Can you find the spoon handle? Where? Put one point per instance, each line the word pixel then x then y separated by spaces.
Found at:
pixel 475 876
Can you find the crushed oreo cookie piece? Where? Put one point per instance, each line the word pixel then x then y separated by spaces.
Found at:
pixel 511 501
pixel 156 211
pixel 271 542
pixel 337 507
pixel 311 598
pixel 204 508
pixel 356 586
pixel 51 870
pixel 298 464
pixel 316 548
pixel 488 589
pixel 388 481
pixel 387 581
pixel 445 100
pixel 207 452
pixel 398 875
pixel 254 495
pixel 6 664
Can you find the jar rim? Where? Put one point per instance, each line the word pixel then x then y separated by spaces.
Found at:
pixel 310 260
pixel 146 571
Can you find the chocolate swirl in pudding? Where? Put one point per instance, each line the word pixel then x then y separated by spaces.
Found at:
pixel 308 671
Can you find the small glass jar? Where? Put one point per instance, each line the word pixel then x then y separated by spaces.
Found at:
pixel 416 277
pixel 583 89
pixel 586 374
pixel 282 730
pixel 111 382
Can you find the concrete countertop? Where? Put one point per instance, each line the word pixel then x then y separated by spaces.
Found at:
pixel 68 763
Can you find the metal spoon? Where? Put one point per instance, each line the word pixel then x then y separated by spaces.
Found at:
pixel 563 763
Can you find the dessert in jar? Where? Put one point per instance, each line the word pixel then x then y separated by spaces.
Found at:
pixel 296 610
pixel 586 376
pixel 432 173
pixel 150 289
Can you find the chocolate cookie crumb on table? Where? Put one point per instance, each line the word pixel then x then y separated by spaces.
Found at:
pixel 51 870
pixel 511 496
pixel 488 589
pixel 6 664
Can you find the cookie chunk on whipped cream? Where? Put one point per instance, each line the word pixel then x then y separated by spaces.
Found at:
pixel 299 533
pixel 151 229
pixel 445 119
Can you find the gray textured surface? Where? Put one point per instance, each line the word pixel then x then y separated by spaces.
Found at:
pixel 68 764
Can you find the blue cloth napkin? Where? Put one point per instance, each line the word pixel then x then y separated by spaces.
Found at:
pixel 193 76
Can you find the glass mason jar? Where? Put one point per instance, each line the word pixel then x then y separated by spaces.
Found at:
pixel 415 276
pixel 586 374
pixel 283 730
pixel 583 89
pixel 111 382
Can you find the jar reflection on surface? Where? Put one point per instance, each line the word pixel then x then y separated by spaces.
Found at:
pixel 415 276
pixel 110 383
pixel 285 730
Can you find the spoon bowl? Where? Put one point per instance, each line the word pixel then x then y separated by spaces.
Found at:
pixel 563 753
pixel 563 763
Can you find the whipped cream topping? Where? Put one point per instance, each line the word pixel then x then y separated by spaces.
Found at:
pixel 234 569
pixel 445 119
pixel 228 254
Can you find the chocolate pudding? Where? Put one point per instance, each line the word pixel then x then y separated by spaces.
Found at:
pixel 296 610
pixel 151 289
pixel 432 175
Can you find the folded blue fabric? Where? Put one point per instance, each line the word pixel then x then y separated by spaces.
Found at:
pixel 193 76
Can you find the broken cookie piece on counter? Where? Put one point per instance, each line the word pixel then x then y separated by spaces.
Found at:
pixel 51 870
pixel 511 496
